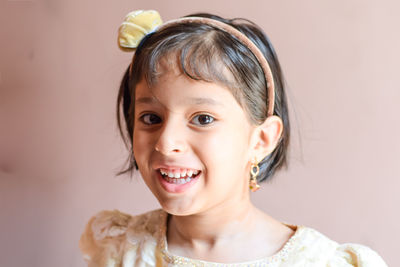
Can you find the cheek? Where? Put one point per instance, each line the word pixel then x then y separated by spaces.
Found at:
pixel 142 150
pixel 224 151
pixel 142 147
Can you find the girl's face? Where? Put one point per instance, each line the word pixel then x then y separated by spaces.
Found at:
pixel 185 127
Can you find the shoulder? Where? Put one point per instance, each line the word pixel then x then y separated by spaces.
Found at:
pixel 356 255
pixel 110 234
pixel 313 246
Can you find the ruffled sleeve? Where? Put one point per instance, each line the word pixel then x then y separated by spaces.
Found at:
pixel 355 255
pixel 103 240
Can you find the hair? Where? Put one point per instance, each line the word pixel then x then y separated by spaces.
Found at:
pixel 205 53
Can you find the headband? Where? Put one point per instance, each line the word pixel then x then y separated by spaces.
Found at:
pixel 138 24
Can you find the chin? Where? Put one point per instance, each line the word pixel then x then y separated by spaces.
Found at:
pixel 178 209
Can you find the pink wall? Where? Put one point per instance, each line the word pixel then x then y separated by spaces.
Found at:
pixel 59 146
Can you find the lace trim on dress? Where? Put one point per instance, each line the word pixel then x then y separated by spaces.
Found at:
pixel 281 255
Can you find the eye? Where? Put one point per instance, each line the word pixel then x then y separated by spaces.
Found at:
pixel 150 119
pixel 203 119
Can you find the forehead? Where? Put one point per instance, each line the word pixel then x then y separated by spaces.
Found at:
pixel 190 100
pixel 179 89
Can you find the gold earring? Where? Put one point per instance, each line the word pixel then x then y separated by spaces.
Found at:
pixel 254 186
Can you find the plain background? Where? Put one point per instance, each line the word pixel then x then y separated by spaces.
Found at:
pixel 60 69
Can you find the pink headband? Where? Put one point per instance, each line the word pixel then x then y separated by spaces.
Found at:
pixel 240 36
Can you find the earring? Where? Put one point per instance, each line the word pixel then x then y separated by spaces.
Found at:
pixel 254 186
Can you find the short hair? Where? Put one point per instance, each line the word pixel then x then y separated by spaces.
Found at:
pixel 203 52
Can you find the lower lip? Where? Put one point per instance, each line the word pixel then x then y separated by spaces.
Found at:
pixel 176 188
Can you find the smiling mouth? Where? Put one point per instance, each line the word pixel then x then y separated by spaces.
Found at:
pixel 179 177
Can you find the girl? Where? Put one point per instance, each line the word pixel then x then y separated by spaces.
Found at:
pixel 206 115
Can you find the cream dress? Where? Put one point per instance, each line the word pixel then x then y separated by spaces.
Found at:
pixel 116 239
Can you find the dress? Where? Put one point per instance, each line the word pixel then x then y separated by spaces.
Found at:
pixel 116 239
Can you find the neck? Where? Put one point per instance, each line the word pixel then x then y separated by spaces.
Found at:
pixel 221 223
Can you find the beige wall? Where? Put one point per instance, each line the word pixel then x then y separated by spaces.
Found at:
pixel 59 146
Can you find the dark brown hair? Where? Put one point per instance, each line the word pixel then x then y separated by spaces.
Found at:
pixel 203 52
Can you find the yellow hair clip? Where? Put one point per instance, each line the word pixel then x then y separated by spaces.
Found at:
pixel 137 24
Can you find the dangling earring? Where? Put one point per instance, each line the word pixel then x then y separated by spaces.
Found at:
pixel 254 186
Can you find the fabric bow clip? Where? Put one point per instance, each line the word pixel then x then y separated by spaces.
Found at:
pixel 136 26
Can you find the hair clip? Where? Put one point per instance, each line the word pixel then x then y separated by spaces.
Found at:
pixel 137 24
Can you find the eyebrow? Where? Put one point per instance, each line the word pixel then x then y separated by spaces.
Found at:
pixel 192 100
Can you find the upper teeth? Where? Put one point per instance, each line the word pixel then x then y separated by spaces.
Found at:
pixel 178 173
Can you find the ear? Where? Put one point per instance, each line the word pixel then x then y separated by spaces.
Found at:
pixel 266 136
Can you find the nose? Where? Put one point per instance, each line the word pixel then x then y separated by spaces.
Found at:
pixel 171 140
